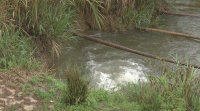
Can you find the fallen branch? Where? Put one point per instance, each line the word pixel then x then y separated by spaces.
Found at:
pixel 131 50
pixel 168 32
pixel 179 14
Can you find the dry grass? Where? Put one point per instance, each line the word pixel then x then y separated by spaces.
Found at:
pixel 176 89
pixel 49 22
pixel 44 21
pixel 134 12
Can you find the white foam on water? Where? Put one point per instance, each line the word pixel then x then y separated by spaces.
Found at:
pixel 106 82
pixel 109 74
pixel 131 75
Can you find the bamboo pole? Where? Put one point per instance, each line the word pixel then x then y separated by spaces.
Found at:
pixel 168 32
pixel 131 50
pixel 179 14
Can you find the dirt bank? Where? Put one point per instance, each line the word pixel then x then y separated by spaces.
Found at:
pixel 12 94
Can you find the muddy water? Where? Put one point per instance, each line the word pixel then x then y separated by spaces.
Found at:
pixel 108 66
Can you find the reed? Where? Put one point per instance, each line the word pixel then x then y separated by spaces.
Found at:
pixel 177 89
pixel 16 51
pixel 76 90
pixel 129 12
pixel 27 22
pixel 88 7
pixel 46 22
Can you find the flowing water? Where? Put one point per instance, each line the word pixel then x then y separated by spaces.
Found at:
pixel 109 66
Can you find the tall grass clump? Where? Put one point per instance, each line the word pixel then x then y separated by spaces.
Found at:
pixel 76 90
pixel 88 7
pixel 47 18
pixel 30 26
pixel 138 12
pixel 176 90
pixel 46 22
pixel 16 51
pixel 128 12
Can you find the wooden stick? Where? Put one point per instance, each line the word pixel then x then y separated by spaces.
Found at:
pixel 179 14
pixel 168 32
pixel 131 50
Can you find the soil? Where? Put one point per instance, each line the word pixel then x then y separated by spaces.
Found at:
pixel 12 97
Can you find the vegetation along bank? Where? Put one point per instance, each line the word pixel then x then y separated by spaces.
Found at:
pixel 33 31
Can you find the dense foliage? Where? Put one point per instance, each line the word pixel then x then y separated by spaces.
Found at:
pixel 49 22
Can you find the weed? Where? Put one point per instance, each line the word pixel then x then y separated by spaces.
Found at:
pixel 91 102
pixel 76 90
pixel 12 108
pixel 98 99
pixel 26 89
pixel 42 95
pixel 23 86
pixel 52 91
pixel 16 51
pixel 129 12
pixel 88 7
pixel 100 95
pixel 35 80
pixel 24 23
pixel 173 90
pixel 140 14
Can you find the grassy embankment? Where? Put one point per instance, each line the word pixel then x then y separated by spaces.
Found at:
pixel 173 90
pixel 38 26
pixel 28 29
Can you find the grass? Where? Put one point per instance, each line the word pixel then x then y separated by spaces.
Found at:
pixel 128 12
pixel 138 13
pixel 28 28
pixel 175 89
pixel 98 99
pixel 35 80
pixel 17 51
pixel 88 7
pixel 76 89
pixel 38 26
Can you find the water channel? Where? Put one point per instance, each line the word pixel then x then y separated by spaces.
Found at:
pixel 109 66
